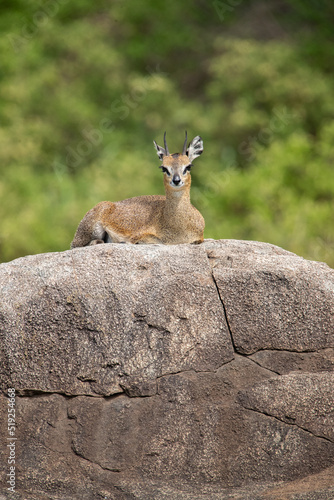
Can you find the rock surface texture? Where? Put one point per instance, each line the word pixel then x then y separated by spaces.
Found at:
pixel 168 372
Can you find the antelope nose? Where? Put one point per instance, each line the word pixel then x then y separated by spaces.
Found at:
pixel 176 179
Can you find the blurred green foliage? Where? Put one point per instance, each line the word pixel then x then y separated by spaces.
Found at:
pixel 85 88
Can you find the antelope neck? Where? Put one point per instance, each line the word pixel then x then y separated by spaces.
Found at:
pixel 174 197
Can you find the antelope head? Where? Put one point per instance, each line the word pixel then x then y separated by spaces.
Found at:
pixel 176 167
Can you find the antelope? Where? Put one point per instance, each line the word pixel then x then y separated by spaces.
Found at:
pixel 169 219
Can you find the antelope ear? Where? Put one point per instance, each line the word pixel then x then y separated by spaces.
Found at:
pixel 161 152
pixel 195 148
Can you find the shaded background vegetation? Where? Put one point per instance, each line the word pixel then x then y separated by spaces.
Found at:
pixel 86 86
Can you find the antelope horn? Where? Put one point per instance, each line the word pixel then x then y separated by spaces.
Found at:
pixel 185 145
pixel 166 147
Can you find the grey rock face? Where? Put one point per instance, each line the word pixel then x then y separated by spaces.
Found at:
pixel 169 372
pixel 274 299
pixel 303 399
pixel 111 319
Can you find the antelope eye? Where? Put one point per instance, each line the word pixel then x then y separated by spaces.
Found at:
pixel 165 170
pixel 187 169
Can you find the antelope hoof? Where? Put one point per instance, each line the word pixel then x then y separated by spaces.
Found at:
pixel 96 242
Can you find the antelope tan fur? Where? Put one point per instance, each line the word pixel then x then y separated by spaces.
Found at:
pixel 169 219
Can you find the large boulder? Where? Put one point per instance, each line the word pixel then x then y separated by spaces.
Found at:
pixel 168 372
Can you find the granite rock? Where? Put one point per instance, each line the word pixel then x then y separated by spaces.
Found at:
pixel 168 372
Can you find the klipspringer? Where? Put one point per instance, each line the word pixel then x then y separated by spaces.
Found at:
pixel 169 219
